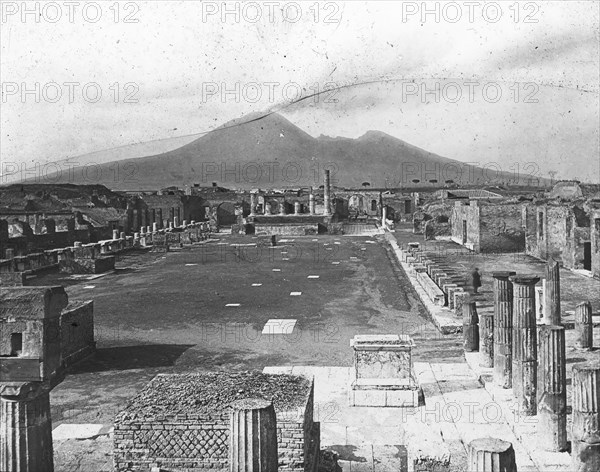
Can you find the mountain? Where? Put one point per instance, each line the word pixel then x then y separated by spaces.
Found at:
pixel 270 151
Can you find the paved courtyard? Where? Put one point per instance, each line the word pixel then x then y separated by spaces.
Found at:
pixel 237 303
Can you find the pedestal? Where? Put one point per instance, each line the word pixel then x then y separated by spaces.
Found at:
pixel 383 374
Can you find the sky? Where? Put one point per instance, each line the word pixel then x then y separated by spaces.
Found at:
pixel 514 84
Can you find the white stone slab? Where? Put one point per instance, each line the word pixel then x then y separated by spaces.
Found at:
pixel 275 326
pixel 80 431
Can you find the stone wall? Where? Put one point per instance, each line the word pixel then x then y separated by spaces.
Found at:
pixel 77 331
pixel 500 228
pixel 158 430
pixel 595 240
pixel 470 214
pixel 286 229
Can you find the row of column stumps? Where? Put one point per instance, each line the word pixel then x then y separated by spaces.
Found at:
pixel 268 208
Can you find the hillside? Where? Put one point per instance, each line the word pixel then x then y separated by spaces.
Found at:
pixel 270 151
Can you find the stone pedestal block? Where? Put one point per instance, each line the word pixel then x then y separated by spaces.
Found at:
pixel 383 374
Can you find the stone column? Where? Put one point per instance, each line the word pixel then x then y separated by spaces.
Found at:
pixel 585 435
pixel 296 208
pixel 311 204
pixel 159 217
pixel 470 327
pixel 252 204
pixel 253 436
pixel 327 194
pixel 486 339
pixel 552 389
pixel 524 364
pixel 503 323
pixel 491 455
pixel 584 329
pixel 552 294
pixel 26 428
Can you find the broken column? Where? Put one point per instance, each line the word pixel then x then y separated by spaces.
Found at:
pixel 491 455
pixel 253 436
pixel 486 339
pixel 311 204
pixel 585 435
pixel 552 389
pixel 584 329
pixel 327 194
pixel 503 324
pixel 524 338
pixel 552 294
pixel 31 365
pixel 252 204
pixel 470 327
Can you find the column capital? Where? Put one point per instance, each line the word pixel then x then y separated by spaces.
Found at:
pixel 503 274
pixel 524 279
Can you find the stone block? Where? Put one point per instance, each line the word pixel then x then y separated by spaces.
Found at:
pixel 88 266
pixel 12 279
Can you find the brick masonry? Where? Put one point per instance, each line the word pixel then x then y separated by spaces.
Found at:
pixel 160 433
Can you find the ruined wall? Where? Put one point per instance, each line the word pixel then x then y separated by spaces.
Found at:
pixel 183 442
pixel 500 228
pixel 77 331
pixel 286 229
pixel 462 213
pixel 529 223
pixel 595 240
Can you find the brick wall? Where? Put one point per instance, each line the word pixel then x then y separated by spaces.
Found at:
pixel 186 443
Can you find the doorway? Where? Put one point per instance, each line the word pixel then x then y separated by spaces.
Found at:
pixel 587 256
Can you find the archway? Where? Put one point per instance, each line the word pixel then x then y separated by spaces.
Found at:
pixel 226 214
